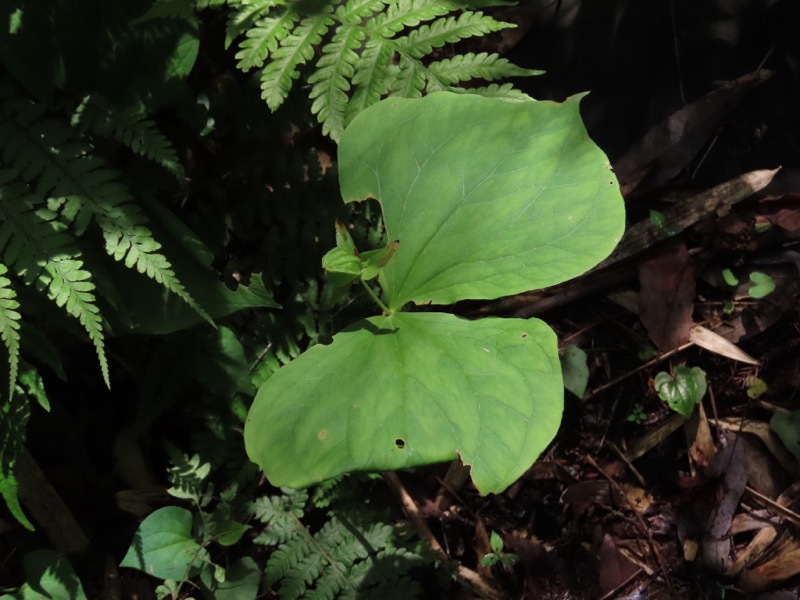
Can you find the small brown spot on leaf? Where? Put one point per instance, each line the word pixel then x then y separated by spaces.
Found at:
pixel 322 434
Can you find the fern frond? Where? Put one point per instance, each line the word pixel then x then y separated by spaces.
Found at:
pixel 464 67
pixel 264 38
pixel 95 116
pixel 38 249
pixel 9 326
pixel 368 48
pixel 448 30
pixel 296 50
pixel 330 82
pixel 80 186
pixel 335 561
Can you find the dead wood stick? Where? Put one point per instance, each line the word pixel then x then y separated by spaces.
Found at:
pixel 48 509
pixel 478 584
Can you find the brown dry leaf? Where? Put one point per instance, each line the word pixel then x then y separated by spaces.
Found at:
pixel 702 449
pixel 713 342
pixel 614 566
pixel 779 562
pixel 668 147
pixel 764 433
pixel 666 297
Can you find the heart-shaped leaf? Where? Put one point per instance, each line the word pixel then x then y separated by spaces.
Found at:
pixel 488 198
pixel 682 390
pixel 163 545
pixel 409 390
pixel 484 198
pixel 763 285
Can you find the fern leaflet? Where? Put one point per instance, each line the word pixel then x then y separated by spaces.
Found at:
pixel 330 81
pixel 476 66
pixel 296 50
pixel 447 30
pixel 264 38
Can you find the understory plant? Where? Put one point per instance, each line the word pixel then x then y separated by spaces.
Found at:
pixel 480 198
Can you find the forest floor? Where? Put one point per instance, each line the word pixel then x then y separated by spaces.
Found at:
pixel 697 108
pixel 633 500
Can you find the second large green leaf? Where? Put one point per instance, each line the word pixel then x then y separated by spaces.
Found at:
pixel 408 390
pixel 488 198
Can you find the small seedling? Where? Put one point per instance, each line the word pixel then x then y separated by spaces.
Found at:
pixel 637 415
pixel 756 388
pixel 497 555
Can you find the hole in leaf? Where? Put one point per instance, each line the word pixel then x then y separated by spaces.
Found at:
pixel 400 443
pixel 524 336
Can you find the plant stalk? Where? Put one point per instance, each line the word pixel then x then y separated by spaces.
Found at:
pixel 375 297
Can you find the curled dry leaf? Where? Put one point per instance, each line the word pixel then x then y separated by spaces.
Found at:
pixel 671 145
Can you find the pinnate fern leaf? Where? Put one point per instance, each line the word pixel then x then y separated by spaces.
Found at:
pixel 80 186
pixel 36 246
pixel 464 67
pixel 9 326
pixel 335 562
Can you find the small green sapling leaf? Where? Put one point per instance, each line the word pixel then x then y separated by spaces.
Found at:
pixel 729 277
pixel 683 389
pixel 343 267
pixel 576 371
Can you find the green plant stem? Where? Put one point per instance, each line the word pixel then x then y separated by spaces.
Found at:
pixel 375 297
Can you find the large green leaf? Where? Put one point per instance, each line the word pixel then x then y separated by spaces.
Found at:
pixel 408 390
pixel 487 197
